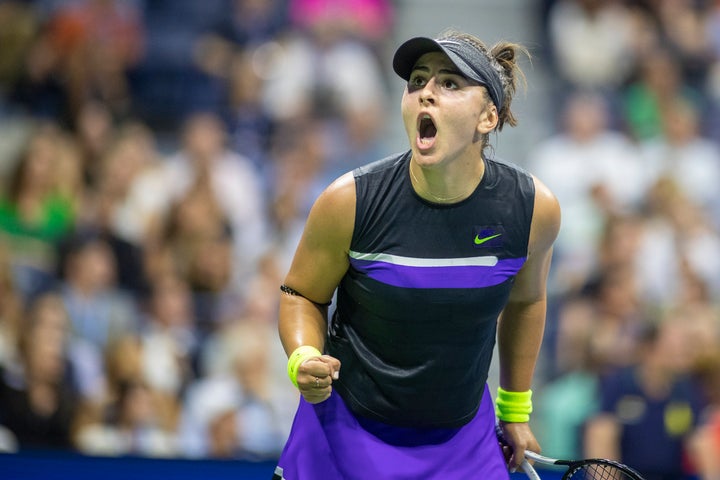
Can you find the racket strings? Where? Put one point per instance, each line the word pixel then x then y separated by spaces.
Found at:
pixel 598 471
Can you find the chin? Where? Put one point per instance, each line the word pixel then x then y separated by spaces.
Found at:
pixel 426 157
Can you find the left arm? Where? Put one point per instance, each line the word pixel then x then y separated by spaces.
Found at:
pixel 522 323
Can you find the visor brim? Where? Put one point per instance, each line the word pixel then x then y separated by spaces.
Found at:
pixel 407 55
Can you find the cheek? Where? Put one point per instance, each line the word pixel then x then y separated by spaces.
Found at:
pixel 462 126
pixel 408 115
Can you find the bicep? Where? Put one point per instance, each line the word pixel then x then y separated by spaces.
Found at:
pixel 530 283
pixel 321 258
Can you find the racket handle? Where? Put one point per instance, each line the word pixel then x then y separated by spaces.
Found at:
pixel 529 470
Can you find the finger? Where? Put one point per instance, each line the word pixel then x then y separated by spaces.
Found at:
pixel 507 453
pixel 316 392
pixel 311 384
pixel 314 367
pixel 307 382
pixel 333 364
pixel 516 459
pixel 320 383
pixel 323 366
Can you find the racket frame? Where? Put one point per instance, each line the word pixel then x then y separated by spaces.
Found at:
pixel 573 466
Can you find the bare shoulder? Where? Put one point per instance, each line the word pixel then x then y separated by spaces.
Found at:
pixel 334 210
pixel 546 217
pixel 342 190
pixel 321 258
pixel 338 197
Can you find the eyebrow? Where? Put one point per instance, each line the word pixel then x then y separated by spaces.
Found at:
pixel 450 71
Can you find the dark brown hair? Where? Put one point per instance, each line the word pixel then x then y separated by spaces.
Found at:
pixel 503 57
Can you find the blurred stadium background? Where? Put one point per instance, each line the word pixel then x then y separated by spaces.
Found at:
pixel 158 159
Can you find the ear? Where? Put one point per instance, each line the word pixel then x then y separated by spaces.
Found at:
pixel 488 119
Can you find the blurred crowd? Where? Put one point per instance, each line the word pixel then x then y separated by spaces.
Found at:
pixel 158 159
pixel 631 366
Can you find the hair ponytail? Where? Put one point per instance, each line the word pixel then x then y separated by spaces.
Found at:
pixel 505 54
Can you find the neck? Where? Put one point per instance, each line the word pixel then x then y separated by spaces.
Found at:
pixel 439 186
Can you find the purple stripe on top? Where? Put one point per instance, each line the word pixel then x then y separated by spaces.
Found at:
pixel 456 276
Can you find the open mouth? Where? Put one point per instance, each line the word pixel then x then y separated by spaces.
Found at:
pixel 426 130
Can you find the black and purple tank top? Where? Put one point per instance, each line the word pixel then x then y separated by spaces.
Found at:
pixel 417 310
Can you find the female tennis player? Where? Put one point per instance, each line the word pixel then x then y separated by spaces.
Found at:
pixel 432 252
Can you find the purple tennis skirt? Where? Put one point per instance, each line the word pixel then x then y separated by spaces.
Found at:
pixel 328 442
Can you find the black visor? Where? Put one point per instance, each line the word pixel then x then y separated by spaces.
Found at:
pixel 469 60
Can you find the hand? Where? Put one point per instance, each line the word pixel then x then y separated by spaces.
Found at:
pixel 519 438
pixel 315 377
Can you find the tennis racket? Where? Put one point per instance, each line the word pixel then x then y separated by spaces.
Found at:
pixel 587 469
pixel 590 469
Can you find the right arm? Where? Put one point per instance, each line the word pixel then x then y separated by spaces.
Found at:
pixel 320 262
pixel 522 323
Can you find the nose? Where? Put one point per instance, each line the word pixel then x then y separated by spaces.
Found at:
pixel 427 94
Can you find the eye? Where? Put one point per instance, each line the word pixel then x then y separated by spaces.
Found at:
pixel 416 81
pixel 449 84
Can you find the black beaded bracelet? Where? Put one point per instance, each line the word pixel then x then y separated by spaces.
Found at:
pixel 291 291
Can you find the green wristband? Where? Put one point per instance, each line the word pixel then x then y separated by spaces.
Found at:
pixel 297 357
pixel 513 407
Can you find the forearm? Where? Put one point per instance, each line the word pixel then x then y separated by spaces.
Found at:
pixel 520 333
pixel 301 322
